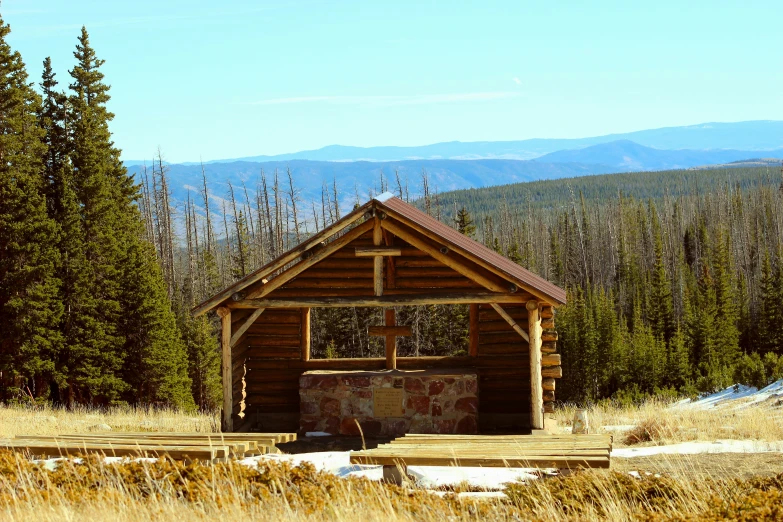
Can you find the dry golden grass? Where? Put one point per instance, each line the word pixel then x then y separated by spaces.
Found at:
pixel 165 490
pixel 666 424
pixel 45 420
pixel 687 488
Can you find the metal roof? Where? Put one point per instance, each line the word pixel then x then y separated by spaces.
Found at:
pixel 474 248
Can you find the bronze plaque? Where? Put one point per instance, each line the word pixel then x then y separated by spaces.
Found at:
pixel 387 402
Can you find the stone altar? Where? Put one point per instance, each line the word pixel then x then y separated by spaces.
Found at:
pixel 389 402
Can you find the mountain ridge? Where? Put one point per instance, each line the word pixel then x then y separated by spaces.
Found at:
pixel 756 135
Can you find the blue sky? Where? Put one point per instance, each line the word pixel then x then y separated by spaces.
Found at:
pixel 238 78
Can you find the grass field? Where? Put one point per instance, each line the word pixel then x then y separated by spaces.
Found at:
pixel 697 487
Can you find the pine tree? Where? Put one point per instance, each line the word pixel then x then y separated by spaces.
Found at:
pixel 661 306
pixel 133 349
pixel 203 360
pixel 29 310
pixel 156 367
pixel 52 118
pixel 727 315
pixel 465 223
pixel 95 357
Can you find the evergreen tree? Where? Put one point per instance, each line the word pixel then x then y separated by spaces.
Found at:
pixel 661 306
pixel 727 316
pixel 465 223
pixel 132 348
pixel 156 367
pixel 94 348
pixel 29 309
pixel 203 360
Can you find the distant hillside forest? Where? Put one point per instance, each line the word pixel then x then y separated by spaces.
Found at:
pixel 675 278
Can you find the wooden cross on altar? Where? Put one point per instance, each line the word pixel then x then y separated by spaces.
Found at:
pixel 390 331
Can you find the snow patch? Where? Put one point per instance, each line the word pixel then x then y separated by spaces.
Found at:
pixel 737 396
pixel 694 448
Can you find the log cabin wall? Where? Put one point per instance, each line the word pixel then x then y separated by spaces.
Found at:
pixel 267 360
pixel 262 382
pixel 268 366
pixel 343 274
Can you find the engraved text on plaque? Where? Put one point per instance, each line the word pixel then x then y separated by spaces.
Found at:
pixel 387 402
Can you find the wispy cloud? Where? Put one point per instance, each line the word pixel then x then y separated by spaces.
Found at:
pixel 517 80
pixel 386 100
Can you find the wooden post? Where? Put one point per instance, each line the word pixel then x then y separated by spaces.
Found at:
pixel 474 330
pixel 391 341
pixel 377 239
pixel 305 334
pixel 227 424
pixel 536 384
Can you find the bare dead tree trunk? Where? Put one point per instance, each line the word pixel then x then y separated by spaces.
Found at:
pixel 294 197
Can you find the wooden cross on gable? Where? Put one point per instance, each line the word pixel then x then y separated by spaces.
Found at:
pixel 378 252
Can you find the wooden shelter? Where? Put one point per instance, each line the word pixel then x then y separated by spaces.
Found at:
pixel 387 253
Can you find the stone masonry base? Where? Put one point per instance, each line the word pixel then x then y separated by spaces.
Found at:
pixel 433 401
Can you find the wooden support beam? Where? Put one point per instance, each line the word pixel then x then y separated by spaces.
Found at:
pixel 225 342
pixel 281 261
pixel 304 335
pixel 474 330
pixel 386 300
pixel 247 324
pixel 378 251
pixel 536 385
pixel 510 320
pixel 391 269
pixel 446 259
pixel 391 340
pixel 377 261
pixel 320 255
pixel 385 331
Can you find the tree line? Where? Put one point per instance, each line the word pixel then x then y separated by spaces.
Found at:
pixel 84 310
pixel 680 290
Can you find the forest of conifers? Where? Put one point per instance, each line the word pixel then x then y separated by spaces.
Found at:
pixel 675 279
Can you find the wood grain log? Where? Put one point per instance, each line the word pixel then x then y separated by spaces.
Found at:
pixel 386 300
pixel 441 271
pixel 304 337
pixel 383 331
pixel 418 262
pixel 225 341
pixel 474 329
pixel 374 251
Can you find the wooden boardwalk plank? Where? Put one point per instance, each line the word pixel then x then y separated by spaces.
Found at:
pixel 58 449
pixel 527 451
pixel 511 461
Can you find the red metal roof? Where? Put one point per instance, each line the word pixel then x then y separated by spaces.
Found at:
pixel 474 248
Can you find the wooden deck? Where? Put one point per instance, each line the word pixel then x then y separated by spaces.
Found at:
pixel 516 451
pixel 212 447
